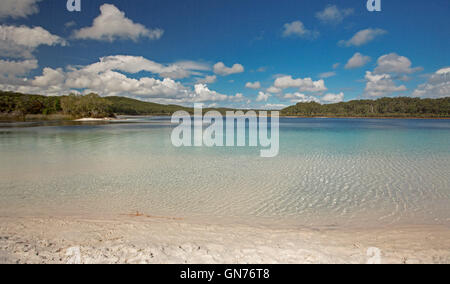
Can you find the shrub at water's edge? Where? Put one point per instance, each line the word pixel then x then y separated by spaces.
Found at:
pixel 91 105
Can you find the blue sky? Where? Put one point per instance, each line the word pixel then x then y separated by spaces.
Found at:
pixel 236 53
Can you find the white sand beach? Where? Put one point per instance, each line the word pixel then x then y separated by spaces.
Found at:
pixel 90 119
pixel 145 239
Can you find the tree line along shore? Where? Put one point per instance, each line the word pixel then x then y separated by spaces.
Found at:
pixel 401 107
pixel 17 106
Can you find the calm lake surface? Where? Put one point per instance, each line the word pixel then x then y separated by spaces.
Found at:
pixel 329 173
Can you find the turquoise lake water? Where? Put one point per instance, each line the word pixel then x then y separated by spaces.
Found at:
pixel 329 173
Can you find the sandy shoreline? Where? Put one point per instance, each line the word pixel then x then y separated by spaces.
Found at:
pixel 147 240
pixel 90 119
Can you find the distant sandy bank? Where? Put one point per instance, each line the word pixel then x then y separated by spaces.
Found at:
pixel 88 119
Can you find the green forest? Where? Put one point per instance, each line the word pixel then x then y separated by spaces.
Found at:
pixel 16 106
pixel 384 107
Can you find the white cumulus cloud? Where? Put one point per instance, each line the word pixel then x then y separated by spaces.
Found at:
pixel 333 15
pixel 300 98
pixel 255 85
pixel 239 97
pixel 304 85
pixel 262 97
pixel 203 94
pixel 18 8
pixel 381 85
pixel 105 78
pixel 207 80
pixel 438 85
pixel 221 69
pixel 136 64
pixel 333 98
pixel 49 77
pixel 394 63
pixel 363 37
pixel 112 24
pixel 443 71
pixel 20 42
pixel 298 29
pixel 274 90
pixel 274 106
pixel 12 69
pixel 327 75
pixel 357 60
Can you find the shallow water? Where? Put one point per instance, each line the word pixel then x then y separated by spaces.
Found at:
pixel 329 173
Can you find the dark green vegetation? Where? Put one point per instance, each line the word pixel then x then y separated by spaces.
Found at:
pixel 386 107
pixel 19 104
pixel 127 106
pixel 15 106
pixel 90 105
